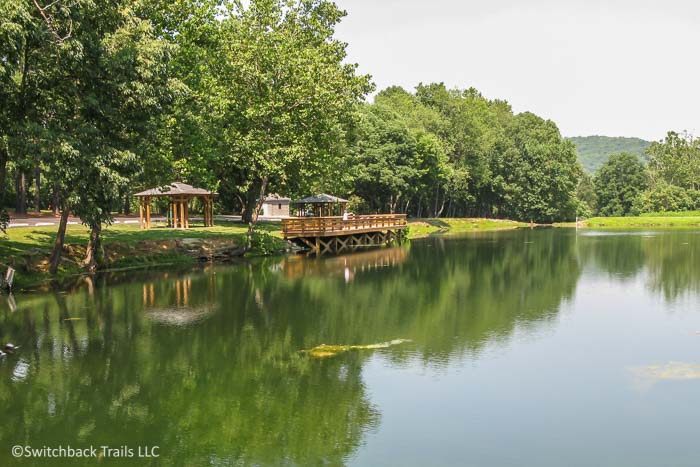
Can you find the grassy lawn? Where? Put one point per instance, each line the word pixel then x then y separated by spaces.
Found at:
pixel 22 239
pixel 645 221
pixel 672 214
pixel 418 228
pixel 28 249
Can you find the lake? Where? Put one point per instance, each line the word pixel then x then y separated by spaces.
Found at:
pixel 543 347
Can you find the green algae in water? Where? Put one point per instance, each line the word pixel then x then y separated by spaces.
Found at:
pixel 327 351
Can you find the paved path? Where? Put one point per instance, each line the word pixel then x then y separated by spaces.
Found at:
pixel 53 221
pixel 50 221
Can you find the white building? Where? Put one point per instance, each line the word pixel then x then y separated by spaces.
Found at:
pixel 275 205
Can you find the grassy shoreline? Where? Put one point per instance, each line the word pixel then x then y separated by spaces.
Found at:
pixel 27 249
pixel 419 228
pixel 126 247
pixel 671 221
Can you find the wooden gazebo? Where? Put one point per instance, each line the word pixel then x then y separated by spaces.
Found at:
pixel 320 205
pixel 179 194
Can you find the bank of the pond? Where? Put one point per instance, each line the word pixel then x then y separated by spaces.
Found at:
pixel 28 249
pixel 672 221
pixel 418 228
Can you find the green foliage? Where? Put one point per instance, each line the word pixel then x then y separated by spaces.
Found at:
pixel 279 95
pixel 264 243
pixel 664 198
pixel 675 161
pixel 618 183
pixel 455 153
pixel 388 160
pixel 585 194
pixel 540 173
pixel 594 151
pixel 672 176
pixel 84 85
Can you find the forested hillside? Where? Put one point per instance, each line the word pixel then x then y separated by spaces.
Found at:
pixel 593 151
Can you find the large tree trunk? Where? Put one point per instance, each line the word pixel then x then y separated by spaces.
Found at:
pixel 21 185
pixel 442 208
pixel 56 199
pixel 58 243
pixel 437 198
pixel 256 210
pixel 242 202
pixel 251 205
pixel 37 195
pixel 127 204
pixel 93 256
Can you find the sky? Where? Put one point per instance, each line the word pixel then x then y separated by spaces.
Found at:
pixel 614 68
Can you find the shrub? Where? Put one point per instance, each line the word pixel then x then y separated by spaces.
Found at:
pixel 666 198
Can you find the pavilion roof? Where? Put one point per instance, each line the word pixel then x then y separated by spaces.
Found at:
pixel 321 198
pixel 175 188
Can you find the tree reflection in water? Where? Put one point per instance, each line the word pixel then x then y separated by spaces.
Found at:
pixel 207 366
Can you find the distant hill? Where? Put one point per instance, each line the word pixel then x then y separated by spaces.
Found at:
pixel 593 151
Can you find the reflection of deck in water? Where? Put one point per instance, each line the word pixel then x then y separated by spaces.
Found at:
pixel 333 234
pixel 296 267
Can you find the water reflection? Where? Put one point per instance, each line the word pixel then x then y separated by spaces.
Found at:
pixel 207 366
pixel 668 259
pixel 347 266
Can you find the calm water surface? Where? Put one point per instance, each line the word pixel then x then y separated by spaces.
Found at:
pixel 532 347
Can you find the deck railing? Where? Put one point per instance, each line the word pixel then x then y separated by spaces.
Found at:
pixel 318 226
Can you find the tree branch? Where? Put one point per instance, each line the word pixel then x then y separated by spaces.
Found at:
pixel 48 19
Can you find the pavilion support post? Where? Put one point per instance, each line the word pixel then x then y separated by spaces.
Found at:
pixel 211 212
pixel 205 211
pixel 141 213
pixel 182 215
pixel 175 216
pixel 187 212
pixel 148 212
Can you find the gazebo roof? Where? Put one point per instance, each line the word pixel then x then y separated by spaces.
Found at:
pixel 321 198
pixel 175 188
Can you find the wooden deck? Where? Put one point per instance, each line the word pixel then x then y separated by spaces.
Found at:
pixel 356 232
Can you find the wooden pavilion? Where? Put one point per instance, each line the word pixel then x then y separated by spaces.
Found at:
pixel 320 205
pixel 180 195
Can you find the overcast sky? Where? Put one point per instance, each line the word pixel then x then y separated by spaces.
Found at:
pixel 616 67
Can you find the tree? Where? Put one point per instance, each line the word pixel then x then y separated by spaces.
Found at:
pixel 675 161
pixel 26 44
pixel 666 198
pixel 540 172
pixel 385 163
pixel 585 194
pixel 102 82
pixel 281 94
pixel 618 182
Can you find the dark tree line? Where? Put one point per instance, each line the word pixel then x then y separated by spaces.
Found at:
pixel 441 152
pixel 100 99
